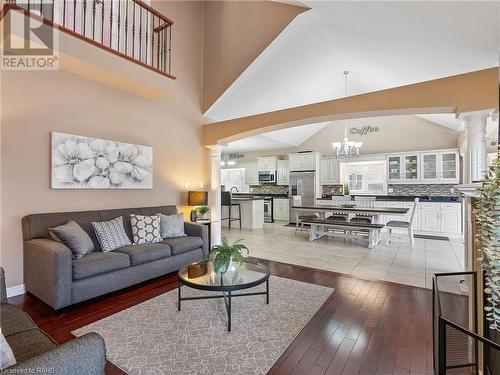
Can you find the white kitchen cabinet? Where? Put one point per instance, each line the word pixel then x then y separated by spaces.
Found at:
pixel 266 163
pixel 303 162
pixel 394 170
pixel 329 171
pixel 280 209
pixel 432 218
pixel 282 169
pixel 251 173
pixel 441 218
pixel 448 166
pixel 440 167
pixel 403 168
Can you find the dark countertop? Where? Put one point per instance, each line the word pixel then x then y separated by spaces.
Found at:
pixel 260 195
pixel 408 198
pixel 246 199
pixel 388 210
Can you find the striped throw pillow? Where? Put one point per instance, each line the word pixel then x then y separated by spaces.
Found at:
pixel 111 234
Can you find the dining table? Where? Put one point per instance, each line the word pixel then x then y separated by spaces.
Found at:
pixel 352 210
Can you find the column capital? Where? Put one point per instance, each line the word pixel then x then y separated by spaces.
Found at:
pixel 484 114
pixel 215 148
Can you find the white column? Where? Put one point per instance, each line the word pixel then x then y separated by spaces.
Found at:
pixel 475 160
pixel 215 193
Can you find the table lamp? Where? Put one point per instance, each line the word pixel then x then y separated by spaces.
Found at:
pixel 196 199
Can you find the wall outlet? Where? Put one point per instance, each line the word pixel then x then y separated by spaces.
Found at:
pixel 452 191
pixel 390 190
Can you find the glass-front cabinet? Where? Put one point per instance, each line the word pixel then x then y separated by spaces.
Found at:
pixel 430 165
pixel 395 172
pixel 411 172
pixel 449 166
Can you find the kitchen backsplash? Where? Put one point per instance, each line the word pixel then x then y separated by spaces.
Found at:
pixel 268 189
pixel 332 189
pixel 441 190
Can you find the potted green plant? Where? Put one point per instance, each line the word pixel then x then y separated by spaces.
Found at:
pixel 487 214
pixel 202 213
pixel 346 189
pixel 225 255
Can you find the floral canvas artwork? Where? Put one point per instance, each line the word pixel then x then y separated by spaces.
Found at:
pixel 89 163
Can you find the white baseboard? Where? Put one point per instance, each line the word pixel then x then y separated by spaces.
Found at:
pixel 16 290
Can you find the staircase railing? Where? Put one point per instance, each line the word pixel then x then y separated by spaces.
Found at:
pixel 128 28
pixel 455 347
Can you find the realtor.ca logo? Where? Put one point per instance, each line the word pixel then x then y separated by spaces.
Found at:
pixel 29 43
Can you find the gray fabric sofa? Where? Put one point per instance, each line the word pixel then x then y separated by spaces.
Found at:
pixel 35 352
pixel 53 276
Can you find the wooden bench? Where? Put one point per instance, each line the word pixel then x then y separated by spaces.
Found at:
pixel 320 228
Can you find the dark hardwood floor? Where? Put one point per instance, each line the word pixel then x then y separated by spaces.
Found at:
pixel 365 327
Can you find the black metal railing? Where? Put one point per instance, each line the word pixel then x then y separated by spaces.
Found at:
pixel 129 28
pixel 455 347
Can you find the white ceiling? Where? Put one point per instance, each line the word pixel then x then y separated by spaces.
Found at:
pixel 382 44
pixel 277 139
pixel 294 137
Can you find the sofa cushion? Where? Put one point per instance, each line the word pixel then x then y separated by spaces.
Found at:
pixel 181 245
pixel 111 234
pixel 145 229
pixel 28 344
pixel 140 254
pixel 98 262
pixel 73 236
pixel 14 320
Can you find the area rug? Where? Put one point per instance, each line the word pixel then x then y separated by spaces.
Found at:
pixel 154 338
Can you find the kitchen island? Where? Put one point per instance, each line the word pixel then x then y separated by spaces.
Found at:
pixel 252 213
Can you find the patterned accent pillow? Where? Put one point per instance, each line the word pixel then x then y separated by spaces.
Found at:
pixel 111 234
pixel 145 229
pixel 172 225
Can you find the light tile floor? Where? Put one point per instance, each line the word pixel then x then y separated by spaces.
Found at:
pixel 395 262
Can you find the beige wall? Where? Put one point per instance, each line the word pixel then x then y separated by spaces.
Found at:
pixel 235 33
pixel 397 133
pixel 35 103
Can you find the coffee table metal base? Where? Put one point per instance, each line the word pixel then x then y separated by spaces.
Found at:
pixel 227 299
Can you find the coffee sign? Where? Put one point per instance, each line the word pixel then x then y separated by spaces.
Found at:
pixel 364 130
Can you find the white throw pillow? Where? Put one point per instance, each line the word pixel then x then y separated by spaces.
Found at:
pixel 111 234
pixel 172 225
pixel 145 229
pixel 7 358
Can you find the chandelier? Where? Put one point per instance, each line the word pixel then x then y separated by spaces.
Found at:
pixel 346 148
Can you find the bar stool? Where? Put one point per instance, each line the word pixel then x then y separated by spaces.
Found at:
pixel 363 202
pixel 226 201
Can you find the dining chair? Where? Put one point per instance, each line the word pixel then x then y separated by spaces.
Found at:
pixel 338 200
pixel 363 202
pixel 396 224
pixel 297 201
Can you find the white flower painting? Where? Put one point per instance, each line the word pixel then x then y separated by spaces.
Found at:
pixel 89 163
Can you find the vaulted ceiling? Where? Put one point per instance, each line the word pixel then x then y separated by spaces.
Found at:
pixel 382 44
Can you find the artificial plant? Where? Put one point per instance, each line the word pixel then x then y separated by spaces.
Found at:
pixel 203 210
pixel 487 213
pixel 222 255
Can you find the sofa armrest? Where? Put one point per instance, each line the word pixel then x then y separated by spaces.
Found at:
pixel 3 289
pixel 48 271
pixel 198 230
pixel 85 355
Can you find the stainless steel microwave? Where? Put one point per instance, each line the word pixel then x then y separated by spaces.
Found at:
pixel 267 177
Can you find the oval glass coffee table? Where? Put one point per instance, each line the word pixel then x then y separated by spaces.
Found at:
pixel 248 275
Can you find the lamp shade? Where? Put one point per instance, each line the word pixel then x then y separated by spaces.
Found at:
pixel 197 198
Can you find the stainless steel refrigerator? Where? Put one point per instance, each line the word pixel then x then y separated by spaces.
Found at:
pixel 302 184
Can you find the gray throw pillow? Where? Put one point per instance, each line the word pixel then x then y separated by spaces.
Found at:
pixel 172 225
pixel 74 237
pixel 145 229
pixel 111 234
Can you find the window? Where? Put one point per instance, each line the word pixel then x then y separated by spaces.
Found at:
pixel 234 177
pixel 364 177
